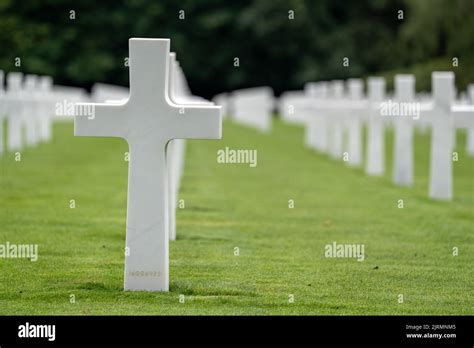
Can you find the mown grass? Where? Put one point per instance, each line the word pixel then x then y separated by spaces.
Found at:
pixel 408 251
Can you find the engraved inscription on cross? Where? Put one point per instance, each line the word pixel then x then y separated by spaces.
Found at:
pixel 148 120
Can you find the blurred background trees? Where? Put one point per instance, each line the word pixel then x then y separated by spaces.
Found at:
pixel 272 48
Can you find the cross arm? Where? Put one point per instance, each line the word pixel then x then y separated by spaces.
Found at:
pixel 463 116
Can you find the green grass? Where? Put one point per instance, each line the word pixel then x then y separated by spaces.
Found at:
pixel 81 251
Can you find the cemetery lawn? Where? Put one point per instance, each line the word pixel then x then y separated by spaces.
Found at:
pixel 408 251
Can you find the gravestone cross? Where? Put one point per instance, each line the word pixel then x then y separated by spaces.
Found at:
pixel 314 110
pixel 30 110
pixel 354 122
pixel 336 127
pixel 46 108
pixel 175 150
pixel 403 126
pixel 375 128
pixel 148 120
pixel 14 106
pixel 442 136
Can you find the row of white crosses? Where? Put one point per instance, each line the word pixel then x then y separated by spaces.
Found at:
pixel 148 120
pixel 27 105
pixel 444 116
pixel 334 122
pixel 329 114
pixel 180 94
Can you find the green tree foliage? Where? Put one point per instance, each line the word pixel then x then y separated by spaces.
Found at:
pixel 274 47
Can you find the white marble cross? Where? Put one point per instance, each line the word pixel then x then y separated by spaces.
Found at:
pixel 313 109
pixel 30 117
pixel 46 108
pixel 148 120
pixel 442 135
pixel 175 151
pixel 357 107
pixel 335 119
pixel 403 132
pixel 14 105
pixel 179 94
pixel 375 164
pixel 463 116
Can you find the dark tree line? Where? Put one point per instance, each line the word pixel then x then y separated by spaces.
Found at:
pixel 280 43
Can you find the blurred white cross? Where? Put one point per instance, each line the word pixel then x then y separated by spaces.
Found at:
pixel 375 164
pixel 14 110
pixel 444 118
pixel 403 133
